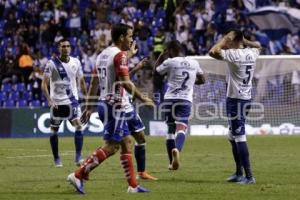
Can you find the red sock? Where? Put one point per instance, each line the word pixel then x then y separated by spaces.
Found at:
pixel 127 164
pixel 91 163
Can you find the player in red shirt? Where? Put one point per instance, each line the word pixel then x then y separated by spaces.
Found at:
pixel 111 76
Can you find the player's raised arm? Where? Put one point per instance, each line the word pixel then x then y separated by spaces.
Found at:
pixel 252 44
pixel 138 67
pixel 215 51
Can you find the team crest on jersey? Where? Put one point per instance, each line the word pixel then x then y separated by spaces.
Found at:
pixel 73 67
pixel 249 57
pixel 185 64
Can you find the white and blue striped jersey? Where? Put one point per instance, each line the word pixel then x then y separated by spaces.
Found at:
pixel 60 85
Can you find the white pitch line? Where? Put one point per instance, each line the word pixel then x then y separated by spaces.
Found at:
pixel 38 156
pixel 6 149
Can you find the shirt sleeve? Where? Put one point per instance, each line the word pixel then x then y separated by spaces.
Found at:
pixel 47 70
pixel 198 68
pixel 163 68
pixel 121 64
pixel 255 52
pixel 229 55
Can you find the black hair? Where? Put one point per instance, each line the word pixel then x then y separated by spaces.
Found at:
pixel 61 41
pixel 238 34
pixel 174 45
pixel 118 30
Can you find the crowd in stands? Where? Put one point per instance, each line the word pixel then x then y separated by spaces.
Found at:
pixel 29 30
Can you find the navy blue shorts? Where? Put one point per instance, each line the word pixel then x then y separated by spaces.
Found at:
pixel 64 112
pixel 135 124
pixel 115 125
pixel 177 111
pixel 237 110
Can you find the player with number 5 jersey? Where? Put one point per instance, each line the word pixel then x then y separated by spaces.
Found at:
pixel 241 55
pixel 182 74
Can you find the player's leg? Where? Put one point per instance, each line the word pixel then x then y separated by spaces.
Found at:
pixel 241 141
pixel 231 110
pixel 78 136
pixel 99 155
pixel 54 124
pixel 136 128
pixel 239 135
pixel 127 164
pixel 182 114
pixel 109 148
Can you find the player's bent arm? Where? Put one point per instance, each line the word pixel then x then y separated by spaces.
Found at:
pixel 92 94
pixel 44 86
pixel 215 51
pixel 83 87
pixel 252 44
pixel 131 89
pixel 138 67
pixel 200 79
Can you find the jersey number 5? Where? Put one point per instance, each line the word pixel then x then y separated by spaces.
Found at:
pixel 248 72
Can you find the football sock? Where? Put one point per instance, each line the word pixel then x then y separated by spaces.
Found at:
pixel 170 144
pixel 91 163
pixel 140 156
pixel 180 138
pixel 236 156
pixel 127 164
pixel 244 155
pixel 78 140
pixel 54 145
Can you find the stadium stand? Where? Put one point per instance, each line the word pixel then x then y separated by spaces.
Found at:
pixel 197 24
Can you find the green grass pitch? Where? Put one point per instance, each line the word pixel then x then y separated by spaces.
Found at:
pixel 27 171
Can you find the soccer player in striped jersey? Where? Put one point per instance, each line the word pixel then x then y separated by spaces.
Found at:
pixel 240 55
pixel 182 74
pixel 111 76
pixel 63 73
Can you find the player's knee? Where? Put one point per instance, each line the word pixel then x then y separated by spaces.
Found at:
pixel 171 127
pixel 111 148
pixel 180 127
pixel 78 128
pixel 240 138
pixel 54 129
pixel 139 137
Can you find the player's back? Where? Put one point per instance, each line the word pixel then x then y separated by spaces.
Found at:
pixel 106 71
pixel 181 76
pixel 241 65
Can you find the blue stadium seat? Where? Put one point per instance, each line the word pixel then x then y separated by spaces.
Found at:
pixel 3 96
pixel 35 103
pixel 20 87
pixel 22 103
pixel 6 87
pixel 9 103
pixel 27 96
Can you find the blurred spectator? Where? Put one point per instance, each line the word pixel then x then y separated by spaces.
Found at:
pixel 25 63
pixel 158 45
pixel 142 33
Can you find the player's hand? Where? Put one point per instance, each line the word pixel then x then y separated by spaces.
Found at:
pixel 133 50
pixel 52 104
pixel 142 63
pixel 85 117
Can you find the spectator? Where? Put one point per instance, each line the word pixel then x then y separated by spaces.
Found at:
pixel 25 63
pixel 142 33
